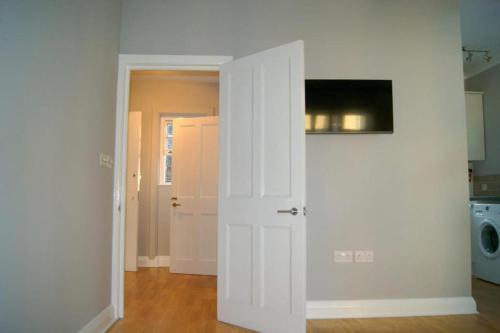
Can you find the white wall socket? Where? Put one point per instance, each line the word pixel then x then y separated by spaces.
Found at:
pixel 484 187
pixel 363 256
pixel 342 256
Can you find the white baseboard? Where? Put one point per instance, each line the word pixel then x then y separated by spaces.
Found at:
pixel 411 307
pixel 163 261
pixel 159 261
pixel 101 322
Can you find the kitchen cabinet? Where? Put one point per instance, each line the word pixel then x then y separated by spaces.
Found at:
pixel 475 125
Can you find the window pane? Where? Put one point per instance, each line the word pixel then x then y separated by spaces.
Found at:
pixel 168 171
pixel 164 169
pixel 170 142
pixel 170 128
pixel 166 144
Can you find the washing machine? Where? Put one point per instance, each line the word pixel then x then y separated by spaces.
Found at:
pixel 485 234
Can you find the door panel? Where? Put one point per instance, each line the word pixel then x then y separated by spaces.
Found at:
pixel 239 264
pixel 183 238
pixel 208 238
pixel 276 131
pixel 209 163
pixel 240 132
pixel 187 160
pixel 261 254
pixel 194 187
pixel 276 271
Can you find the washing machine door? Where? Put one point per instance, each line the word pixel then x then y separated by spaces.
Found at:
pixel 488 234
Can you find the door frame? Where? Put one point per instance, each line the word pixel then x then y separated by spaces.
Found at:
pixel 127 63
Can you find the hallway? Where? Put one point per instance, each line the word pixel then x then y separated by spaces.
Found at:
pixel 158 301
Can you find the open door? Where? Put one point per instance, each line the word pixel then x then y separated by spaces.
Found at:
pixel 132 204
pixel 193 245
pixel 261 229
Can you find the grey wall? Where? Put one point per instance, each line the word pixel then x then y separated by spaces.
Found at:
pixel 489 82
pixel 58 64
pixel 402 195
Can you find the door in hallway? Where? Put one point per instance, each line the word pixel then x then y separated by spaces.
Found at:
pixel 193 248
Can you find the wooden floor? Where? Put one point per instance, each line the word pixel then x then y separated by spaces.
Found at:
pixel 157 301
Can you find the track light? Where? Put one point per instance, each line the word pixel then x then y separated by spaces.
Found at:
pixel 470 52
pixel 469 57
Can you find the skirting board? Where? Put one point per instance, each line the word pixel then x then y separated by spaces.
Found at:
pixel 101 322
pixel 411 307
pixel 159 261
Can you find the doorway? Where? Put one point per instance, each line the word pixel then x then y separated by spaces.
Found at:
pixel 177 113
pixel 261 208
pixel 171 207
pixel 128 64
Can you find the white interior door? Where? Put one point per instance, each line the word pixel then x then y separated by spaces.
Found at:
pixel 262 252
pixel 133 181
pixel 193 233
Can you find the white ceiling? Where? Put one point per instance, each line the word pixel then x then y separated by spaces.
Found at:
pixel 480 30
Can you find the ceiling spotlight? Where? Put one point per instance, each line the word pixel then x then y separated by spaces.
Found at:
pixel 469 57
pixel 487 57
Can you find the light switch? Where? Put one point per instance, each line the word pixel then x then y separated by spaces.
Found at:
pixel 105 160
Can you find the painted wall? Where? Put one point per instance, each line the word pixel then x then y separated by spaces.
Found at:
pixel 154 96
pixel 403 195
pixel 489 82
pixel 58 62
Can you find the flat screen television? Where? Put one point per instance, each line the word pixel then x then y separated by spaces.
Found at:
pixel 348 106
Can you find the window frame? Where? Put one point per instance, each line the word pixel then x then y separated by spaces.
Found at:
pixel 164 151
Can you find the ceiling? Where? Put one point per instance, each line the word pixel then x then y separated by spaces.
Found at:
pixel 480 30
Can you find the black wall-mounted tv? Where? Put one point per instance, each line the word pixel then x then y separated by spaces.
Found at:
pixel 348 106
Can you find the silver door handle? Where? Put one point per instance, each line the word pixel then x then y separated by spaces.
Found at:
pixel 293 211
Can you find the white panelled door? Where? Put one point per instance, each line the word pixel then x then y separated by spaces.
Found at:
pixel 262 252
pixel 193 234
pixel 132 203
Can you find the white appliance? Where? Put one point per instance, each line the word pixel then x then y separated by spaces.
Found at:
pixel 485 241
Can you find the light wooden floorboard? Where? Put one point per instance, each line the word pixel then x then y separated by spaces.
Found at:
pixel 159 301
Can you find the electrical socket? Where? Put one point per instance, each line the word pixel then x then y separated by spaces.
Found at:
pixel 363 256
pixel 342 256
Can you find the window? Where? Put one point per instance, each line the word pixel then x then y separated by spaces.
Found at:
pixel 166 150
